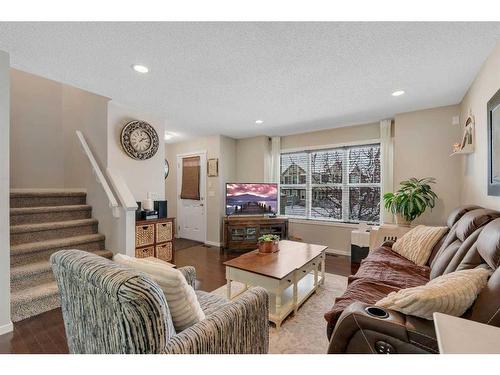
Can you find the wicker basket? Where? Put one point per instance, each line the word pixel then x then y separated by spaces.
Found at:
pixel 164 231
pixel 144 235
pixel 145 252
pixel 164 251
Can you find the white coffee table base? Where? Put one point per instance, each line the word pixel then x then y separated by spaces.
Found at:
pixel 285 295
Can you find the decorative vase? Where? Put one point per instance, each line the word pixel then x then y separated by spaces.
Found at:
pixel 267 247
pixel 401 221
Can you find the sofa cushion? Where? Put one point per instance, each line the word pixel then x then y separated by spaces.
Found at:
pixel 451 294
pixel 471 221
pixel 417 244
pixel 488 244
pixel 181 298
pixel 381 273
pixel 458 212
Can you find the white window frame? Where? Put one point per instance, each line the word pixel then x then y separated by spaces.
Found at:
pixel 345 185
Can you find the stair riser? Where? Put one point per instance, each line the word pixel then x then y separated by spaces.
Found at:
pixel 31 281
pixel 49 217
pixel 24 258
pixel 42 201
pixel 20 238
pixel 22 311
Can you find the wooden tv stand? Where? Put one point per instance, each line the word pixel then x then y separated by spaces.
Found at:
pixel 243 232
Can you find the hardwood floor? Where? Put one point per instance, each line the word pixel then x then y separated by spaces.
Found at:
pixel 44 333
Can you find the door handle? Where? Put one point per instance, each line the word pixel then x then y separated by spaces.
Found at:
pixel 201 204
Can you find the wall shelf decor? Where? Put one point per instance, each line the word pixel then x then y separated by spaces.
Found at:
pixel 466 146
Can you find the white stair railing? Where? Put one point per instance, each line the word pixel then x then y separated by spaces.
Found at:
pixel 99 175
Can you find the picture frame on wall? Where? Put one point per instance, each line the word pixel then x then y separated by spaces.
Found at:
pixel 213 167
pixel 493 108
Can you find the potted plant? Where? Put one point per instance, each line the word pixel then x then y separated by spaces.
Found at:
pixel 268 243
pixel 411 199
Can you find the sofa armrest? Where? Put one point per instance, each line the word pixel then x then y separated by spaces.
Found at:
pixel 239 327
pixel 189 273
pixel 358 332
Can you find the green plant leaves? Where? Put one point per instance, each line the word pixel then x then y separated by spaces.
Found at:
pixel 412 198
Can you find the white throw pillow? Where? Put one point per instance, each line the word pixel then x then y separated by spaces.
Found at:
pixel 451 294
pixel 416 245
pixel 181 298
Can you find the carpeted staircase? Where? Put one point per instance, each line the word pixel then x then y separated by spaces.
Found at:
pixel 42 222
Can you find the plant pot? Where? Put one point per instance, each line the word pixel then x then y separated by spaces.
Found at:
pixel 401 221
pixel 267 247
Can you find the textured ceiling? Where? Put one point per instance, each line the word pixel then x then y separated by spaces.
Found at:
pixel 218 78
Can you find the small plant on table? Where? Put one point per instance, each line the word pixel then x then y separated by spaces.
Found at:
pixel 268 243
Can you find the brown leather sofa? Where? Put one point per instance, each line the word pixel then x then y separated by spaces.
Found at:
pixel 356 326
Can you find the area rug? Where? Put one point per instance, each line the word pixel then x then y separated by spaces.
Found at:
pixel 304 332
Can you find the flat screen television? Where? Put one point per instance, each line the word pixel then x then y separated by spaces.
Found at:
pixel 251 199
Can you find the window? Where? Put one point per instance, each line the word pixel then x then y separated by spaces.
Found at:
pixel 338 184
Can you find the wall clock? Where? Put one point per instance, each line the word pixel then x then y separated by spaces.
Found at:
pixel 139 140
pixel 167 168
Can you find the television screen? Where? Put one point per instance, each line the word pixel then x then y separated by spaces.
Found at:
pixel 251 199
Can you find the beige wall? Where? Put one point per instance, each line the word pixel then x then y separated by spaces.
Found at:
pixel 227 168
pixel 474 166
pixel 252 158
pixel 422 146
pixel 142 176
pixel 45 114
pixel 332 136
pixel 5 322
pixel 36 106
pixel 82 110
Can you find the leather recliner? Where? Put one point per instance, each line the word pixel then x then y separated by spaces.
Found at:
pixel 355 326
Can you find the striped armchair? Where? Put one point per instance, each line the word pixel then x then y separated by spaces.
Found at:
pixel 108 308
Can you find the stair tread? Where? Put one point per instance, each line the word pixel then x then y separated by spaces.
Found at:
pixel 32 293
pixel 41 266
pixel 25 228
pixel 19 193
pixel 44 209
pixel 56 243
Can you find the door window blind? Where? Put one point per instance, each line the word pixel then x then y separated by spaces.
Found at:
pixel 190 188
pixel 337 184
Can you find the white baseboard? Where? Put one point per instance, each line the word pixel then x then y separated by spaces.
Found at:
pixel 210 243
pixel 338 252
pixel 6 328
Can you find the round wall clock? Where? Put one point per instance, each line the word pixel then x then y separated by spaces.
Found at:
pixel 139 140
pixel 167 168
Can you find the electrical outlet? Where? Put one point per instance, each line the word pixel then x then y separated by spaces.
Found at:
pixel 455 120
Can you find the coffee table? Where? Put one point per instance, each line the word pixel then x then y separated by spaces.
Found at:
pixel 290 275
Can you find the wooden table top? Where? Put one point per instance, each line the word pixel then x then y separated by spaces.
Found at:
pixel 292 255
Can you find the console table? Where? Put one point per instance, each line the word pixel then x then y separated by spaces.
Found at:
pixel 243 232
pixel 155 238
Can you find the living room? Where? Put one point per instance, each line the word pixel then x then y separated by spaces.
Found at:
pixel 250 187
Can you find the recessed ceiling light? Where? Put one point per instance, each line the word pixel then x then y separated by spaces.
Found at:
pixel 140 68
pixel 398 92
pixel 259 122
pixel 168 136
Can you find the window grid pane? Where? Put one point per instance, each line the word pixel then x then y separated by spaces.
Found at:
pixel 340 184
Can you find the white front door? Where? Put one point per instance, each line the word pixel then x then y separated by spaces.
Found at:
pixel 191 218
